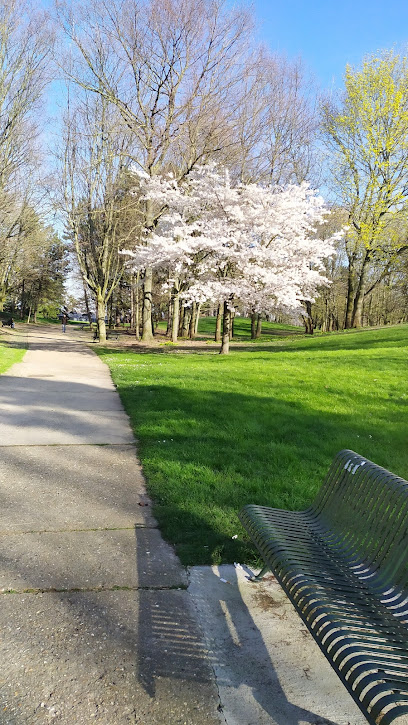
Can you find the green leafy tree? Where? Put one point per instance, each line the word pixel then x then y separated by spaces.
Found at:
pixel 367 133
pixel 25 44
pixel 39 271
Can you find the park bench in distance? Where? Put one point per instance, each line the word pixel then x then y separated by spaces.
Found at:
pixel 110 334
pixel 344 565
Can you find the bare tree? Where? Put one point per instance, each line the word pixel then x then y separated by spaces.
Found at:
pixel 290 124
pixel 172 69
pixel 276 123
pixel 95 202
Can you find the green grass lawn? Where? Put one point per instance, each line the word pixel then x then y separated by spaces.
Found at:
pixel 258 426
pixel 9 354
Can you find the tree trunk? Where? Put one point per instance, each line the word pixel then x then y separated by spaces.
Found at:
pixel 176 312
pixel 181 316
pixel 307 319
pixel 186 321
pixel 253 325
pixel 357 320
pixel 147 331
pixel 226 328
pixel 193 318
pixel 218 323
pixel 29 315
pixel 348 322
pixel 100 317
pixel 87 306
pixel 329 317
pixel 197 320
pixel 369 311
pixel 3 294
pixel 132 303
pixel 169 317
pixel 137 308
pixel 109 309
pixel 22 302
pixel 258 327
pixel 170 312
pixel 182 312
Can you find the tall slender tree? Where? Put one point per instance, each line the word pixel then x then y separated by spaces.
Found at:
pixel 95 203
pixel 25 45
pixel 367 133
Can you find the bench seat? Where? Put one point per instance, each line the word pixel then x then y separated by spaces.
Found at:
pixel 343 563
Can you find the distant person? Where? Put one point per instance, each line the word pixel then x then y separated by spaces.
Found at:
pixel 64 320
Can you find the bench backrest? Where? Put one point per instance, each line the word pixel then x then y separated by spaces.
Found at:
pixel 367 508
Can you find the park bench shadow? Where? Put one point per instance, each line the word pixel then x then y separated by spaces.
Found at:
pixel 156 630
pixel 154 624
pixel 243 660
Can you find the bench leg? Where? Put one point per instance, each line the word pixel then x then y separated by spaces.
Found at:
pixel 261 574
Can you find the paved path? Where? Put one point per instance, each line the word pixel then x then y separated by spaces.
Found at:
pixel 96 623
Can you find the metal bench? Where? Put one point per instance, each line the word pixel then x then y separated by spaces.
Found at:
pixel 110 335
pixel 344 565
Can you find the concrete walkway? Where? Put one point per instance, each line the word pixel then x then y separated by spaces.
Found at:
pixel 96 622
pixel 99 622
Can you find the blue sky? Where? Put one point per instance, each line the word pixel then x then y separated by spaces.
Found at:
pixel 327 35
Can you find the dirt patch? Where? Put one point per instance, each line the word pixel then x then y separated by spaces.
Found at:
pixel 265 602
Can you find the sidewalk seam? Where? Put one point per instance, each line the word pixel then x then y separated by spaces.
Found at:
pixel 84 590
pixel 74 531
pixel 68 445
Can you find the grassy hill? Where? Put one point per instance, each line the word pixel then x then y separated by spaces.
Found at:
pixel 260 425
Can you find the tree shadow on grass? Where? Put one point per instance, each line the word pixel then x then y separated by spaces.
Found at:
pixel 287 341
pixel 14 344
pixel 207 453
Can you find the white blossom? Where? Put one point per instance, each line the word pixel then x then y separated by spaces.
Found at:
pixel 249 243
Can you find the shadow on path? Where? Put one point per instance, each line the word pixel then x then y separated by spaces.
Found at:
pixel 251 688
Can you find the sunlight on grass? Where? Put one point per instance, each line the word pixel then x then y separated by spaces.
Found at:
pixel 259 426
pixel 9 355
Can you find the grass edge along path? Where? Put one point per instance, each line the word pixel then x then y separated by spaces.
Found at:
pixel 258 426
pixel 11 351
